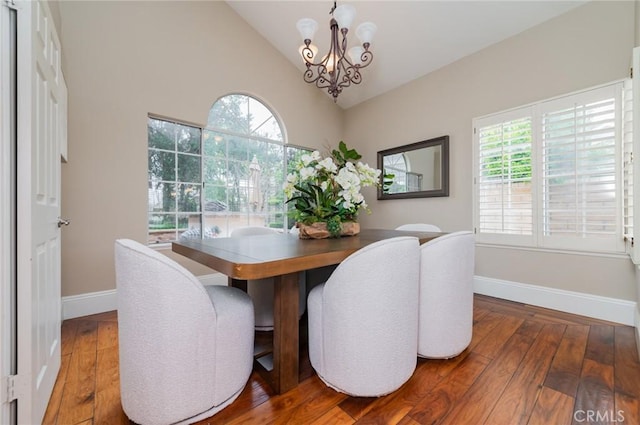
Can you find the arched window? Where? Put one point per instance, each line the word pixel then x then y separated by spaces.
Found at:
pixel 205 181
pixel 243 165
pixel 397 165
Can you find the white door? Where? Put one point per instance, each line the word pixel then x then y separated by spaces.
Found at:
pixel 41 95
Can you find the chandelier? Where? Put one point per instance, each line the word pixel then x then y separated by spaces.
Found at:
pixel 339 68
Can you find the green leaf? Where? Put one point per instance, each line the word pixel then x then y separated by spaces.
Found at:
pixel 349 153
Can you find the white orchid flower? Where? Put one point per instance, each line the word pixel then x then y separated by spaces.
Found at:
pixel 307 159
pixel 328 165
pixel 308 173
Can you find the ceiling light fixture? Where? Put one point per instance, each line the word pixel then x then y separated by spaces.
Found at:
pixel 336 71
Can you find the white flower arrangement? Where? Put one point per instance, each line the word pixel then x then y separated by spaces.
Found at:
pixel 328 189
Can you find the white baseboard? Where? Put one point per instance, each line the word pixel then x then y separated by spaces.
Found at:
pixel 87 304
pixel 604 308
pixel 595 306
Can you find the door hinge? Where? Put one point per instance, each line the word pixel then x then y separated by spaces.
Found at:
pixel 15 388
pixel 631 72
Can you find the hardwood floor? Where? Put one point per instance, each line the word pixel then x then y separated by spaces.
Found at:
pixel 525 365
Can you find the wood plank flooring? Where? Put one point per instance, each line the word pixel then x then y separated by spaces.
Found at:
pixel 525 365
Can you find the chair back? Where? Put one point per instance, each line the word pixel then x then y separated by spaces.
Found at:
pixel 370 315
pixel 419 227
pixel 161 307
pixel 446 295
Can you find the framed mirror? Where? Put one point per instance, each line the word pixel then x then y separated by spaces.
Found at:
pixel 417 170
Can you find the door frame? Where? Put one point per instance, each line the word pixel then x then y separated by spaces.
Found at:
pixel 24 225
pixel 8 161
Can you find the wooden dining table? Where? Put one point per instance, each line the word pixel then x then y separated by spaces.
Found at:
pixel 281 256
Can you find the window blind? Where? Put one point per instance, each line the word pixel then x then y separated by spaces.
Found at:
pixel 503 181
pixel 627 163
pixel 551 174
pixel 580 199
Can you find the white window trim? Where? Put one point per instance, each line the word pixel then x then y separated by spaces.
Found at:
pixel 600 254
pixel 634 249
pixel 536 241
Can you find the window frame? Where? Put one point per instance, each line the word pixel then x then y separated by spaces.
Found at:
pixel 176 230
pixel 537 240
pixel 202 214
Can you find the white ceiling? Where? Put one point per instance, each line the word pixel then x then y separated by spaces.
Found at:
pixel 414 38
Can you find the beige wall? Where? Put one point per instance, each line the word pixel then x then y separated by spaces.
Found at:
pixel 585 47
pixel 123 60
pixel 54 7
pixel 637 38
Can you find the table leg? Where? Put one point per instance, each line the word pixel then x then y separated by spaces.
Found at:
pixel 285 332
pixel 240 284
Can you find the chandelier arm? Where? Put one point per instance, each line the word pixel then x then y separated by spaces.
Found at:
pixel 323 83
pixel 343 48
pixel 335 71
pixel 309 76
pixel 366 57
pixel 351 76
pixel 317 74
pixel 307 53
pixel 320 80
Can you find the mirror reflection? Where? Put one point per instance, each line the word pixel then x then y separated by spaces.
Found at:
pixel 416 170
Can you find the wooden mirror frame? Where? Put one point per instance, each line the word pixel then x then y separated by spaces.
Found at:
pixel 443 142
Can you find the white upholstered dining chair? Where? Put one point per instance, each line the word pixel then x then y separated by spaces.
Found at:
pixel 185 350
pixel 419 227
pixel 261 290
pixel 363 321
pixel 446 295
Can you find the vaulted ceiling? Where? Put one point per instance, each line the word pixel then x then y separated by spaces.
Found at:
pixel 414 38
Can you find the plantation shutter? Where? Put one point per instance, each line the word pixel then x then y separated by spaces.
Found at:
pixel 581 189
pixel 504 199
pixel 632 124
pixel 627 163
